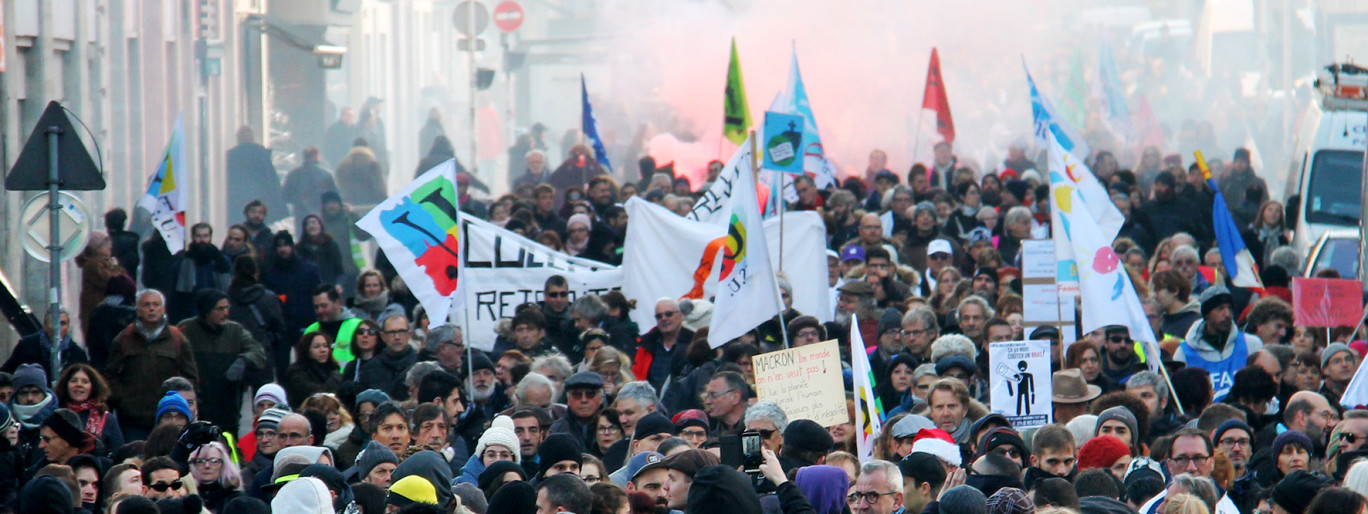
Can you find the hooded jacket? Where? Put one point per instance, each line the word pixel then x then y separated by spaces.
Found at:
pixel 433 468
pixel 306 495
pixel 722 489
pixel 1178 323
pixel 1206 351
pixel 44 495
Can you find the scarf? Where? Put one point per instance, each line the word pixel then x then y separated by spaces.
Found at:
pixel 335 438
pixel 26 413
pixel 570 246
pixel 95 423
pixel 151 334
pixel 372 306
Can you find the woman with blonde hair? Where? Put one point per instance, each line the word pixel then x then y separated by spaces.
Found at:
pixel 340 423
pixel 614 367
pixel 1184 504
pixel 216 477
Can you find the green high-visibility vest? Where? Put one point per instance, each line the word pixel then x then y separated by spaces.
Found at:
pixel 342 347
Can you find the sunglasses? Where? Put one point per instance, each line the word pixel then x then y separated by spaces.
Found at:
pixel 161 487
pixel 580 394
pixel 558 294
pixel 366 331
pixel 663 315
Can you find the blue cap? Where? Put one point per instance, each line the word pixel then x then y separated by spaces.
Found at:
pixel 643 462
pixel 955 361
pixel 853 252
pixel 173 401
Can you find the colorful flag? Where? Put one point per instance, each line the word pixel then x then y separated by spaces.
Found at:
pixel 1146 131
pixel 868 408
pixel 747 294
pixel 1107 89
pixel 1106 293
pixel 736 118
pixel 782 141
pixel 419 230
pixel 1075 105
pixel 1239 264
pixel 164 199
pixel 1046 120
pixel 795 101
pixel 933 99
pixel 590 127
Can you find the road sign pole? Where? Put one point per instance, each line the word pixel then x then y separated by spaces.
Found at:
pixel 54 316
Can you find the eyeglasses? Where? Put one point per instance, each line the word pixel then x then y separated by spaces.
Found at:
pixel 870 497
pixel 938 256
pixel 592 479
pixel 583 394
pixel 161 487
pixel 717 394
pixel 766 434
pixel 366 332
pixel 201 462
pixel 912 333
pixel 290 437
pixel 1117 339
pixel 666 314
pixel 558 294
pixel 694 433
pixel 1185 460
pixel 810 333
pixel 1232 442
pixel 394 332
pixel 610 429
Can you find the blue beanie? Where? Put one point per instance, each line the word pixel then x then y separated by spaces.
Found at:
pixel 30 375
pixel 173 401
pixel 375 396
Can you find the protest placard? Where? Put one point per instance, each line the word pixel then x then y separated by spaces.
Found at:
pixel 1020 377
pixel 1043 303
pixel 1326 302
pixel 805 382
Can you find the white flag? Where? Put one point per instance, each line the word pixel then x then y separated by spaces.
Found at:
pixel 1105 289
pixel 747 294
pixel 419 230
pixel 868 410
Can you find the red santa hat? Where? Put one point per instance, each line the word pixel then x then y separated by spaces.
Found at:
pixel 939 443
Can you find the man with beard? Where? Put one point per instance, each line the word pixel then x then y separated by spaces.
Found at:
pixel 488 394
pixel 1168 213
pixel 985 284
pixel 1120 359
pixel 339 323
pixel 134 376
pixel 857 299
pixel 294 279
pixel 224 351
pixel 258 234
pixel 1306 412
pixel 1236 440
pixel 200 266
pixel 1216 344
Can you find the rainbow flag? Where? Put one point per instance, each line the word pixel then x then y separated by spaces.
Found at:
pixel 163 199
pixel 869 410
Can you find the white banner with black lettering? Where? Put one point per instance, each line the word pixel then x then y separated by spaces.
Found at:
pixel 504 270
pixel 1022 382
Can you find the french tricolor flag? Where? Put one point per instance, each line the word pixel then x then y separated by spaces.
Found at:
pixel 1239 264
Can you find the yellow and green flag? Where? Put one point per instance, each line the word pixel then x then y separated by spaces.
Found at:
pixel 736 118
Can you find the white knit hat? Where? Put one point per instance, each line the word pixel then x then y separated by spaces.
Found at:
pixel 499 436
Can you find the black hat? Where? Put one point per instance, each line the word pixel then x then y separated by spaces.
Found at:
pixel 1165 178
pixel 67 425
pixel 891 319
pixel 330 196
pixel 1044 332
pixel 924 467
pixel 479 361
pixel 652 424
pixel 283 238
pixel 1213 297
pixel 1295 492
pixel 206 299
pixel 584 380
pixel 689 462
pixel 807 435
pixel 1004 436
pixel 556 448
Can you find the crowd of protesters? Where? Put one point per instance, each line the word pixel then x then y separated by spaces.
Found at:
pixel 259 370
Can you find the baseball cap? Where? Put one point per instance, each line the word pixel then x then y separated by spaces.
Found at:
pixel 643 462
pixel 853 253
pixel 939 246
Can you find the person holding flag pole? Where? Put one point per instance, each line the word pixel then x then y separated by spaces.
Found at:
pixel 868 409
pixel 747 294
pixel 1238 262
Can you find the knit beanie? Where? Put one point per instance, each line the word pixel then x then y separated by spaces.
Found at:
pixel 891 319
pixel 67 425
pixel 410 490
pixel 1291 437
pixel 808 436
pixel 560 447
pixel 1229 425
pixel 30 375
pixel 1295 492
pixel 272 392
pixel 499 436
pixel 652 424
pixel 206 298
pixel 374 396
pixel 271 418
pixel 1010 500
pixel 1329 351
pixel 173 401
pixel 374 455
pixel 1101 452
pixel 964 499
pixel 1119 413
pixel 6 420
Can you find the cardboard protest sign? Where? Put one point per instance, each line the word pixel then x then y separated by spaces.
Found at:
pixel 805 382
pixel 1326 302
pixel 1020 376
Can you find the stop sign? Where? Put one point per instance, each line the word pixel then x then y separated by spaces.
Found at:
pixel 508 15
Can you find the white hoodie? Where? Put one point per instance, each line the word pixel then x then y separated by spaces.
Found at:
pixel 303 495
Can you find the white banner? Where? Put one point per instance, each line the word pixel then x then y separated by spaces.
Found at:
pixel 504 270
pixel 1021 379
pixel 664 254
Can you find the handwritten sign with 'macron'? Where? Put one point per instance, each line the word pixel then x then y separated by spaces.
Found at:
pixel 805 382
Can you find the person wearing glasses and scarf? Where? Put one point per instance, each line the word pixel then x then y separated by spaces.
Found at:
pixel 217 478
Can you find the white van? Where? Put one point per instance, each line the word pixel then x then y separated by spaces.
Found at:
pixel 1326 169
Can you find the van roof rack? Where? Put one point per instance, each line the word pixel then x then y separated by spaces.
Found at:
pixel 1343 86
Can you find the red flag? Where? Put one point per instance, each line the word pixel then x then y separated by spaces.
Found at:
pixel 1147 128
pixel 934 99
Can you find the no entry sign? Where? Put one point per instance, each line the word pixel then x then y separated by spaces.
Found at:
pixel 508 15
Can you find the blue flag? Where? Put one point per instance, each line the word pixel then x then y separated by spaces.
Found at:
pixel 1112 95
pixel 1235 257
pixel 783 142
pixel 590 127
pixel 1045 119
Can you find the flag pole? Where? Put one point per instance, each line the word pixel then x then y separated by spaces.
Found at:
pixel 1163 370
pixel 916 144
pixel 755 170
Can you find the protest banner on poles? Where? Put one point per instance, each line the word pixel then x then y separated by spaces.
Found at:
pixel 504 270
pixel 805 382
pixel 1326 302
pixel 1021 380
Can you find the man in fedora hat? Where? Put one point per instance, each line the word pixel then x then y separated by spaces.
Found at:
pixel 1072 394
